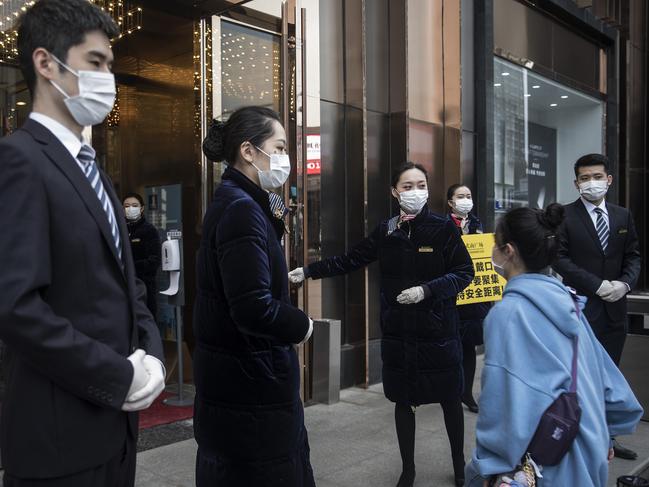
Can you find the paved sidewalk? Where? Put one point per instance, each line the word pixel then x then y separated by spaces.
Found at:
pixel 353 443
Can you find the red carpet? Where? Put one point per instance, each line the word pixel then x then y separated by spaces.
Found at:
pixel 159 413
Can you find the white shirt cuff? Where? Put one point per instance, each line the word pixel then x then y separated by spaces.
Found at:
pixel 308 333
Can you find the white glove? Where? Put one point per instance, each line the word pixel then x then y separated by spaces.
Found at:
pixel 618 291
pixel 605 288
pixel 411 296
pixel 144 397
pixel 140 373
pixel 296 276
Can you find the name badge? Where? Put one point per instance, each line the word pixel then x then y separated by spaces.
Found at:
pixel 136 240
pixel 425 249
pixel 622 230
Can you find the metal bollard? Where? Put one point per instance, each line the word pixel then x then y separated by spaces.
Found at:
pixel 326 361
pixel 632 481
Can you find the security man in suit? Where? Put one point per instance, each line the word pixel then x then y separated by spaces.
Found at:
pixel 599 257
pixel 83 351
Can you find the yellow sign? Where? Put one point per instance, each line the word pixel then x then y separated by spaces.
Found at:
pixel 487 285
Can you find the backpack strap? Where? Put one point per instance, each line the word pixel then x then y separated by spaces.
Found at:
pixel 575 344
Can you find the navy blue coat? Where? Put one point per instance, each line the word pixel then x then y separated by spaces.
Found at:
pixel 420 347
pixel 145 245
pixel 472 315
pixel 249 419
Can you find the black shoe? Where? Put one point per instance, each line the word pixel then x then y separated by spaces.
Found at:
pixel 625 453
pixel 459 481
pixel 470 403
pixel 407 479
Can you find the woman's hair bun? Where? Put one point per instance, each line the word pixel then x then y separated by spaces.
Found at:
pixel 213 143
pixel 552 217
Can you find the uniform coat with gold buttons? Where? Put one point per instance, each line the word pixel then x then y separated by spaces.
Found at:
pixel 420 347
pixel 145 244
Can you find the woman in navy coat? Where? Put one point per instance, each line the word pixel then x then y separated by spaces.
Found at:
pixel 248 416
pixel 423 265
pixel 460 202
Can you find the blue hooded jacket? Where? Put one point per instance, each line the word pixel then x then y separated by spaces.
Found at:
pixel 528 354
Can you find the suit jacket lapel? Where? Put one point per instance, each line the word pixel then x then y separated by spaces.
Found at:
pixel 60 156
pixel 588 223
pixel 613 226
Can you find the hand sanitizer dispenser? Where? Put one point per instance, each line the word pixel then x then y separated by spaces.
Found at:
pixel 171 264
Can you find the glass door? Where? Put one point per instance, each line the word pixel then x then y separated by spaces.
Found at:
pixel 251 58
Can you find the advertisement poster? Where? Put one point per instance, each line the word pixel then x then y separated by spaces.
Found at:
pixel 487 285
pixel 542 165
pixel 313 154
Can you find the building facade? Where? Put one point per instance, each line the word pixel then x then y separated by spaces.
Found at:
pixel 501 95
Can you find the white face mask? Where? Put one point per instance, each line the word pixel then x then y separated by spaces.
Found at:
pixel 413 201
pixel 132 212
pixel 463 206
pixel 276 176
pixel 593 190
pixel 499 268
pixel 95 99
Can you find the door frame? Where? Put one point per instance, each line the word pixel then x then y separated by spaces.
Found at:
pixel 292 106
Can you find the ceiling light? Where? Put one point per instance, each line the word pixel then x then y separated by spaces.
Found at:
pixel 564 96
pixel 497 85
pixel 553 104
pixel 21 103
pixel 536 87
pixel 527 95
pixel 505 74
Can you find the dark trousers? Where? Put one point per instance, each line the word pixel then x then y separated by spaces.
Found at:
pixel 612 339
pixel 468 365
pixel 453 420
pixel 119 471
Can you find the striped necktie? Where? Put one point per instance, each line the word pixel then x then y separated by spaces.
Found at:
pixel 602 228
pixel 87 158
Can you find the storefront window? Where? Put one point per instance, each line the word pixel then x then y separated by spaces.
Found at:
pixel 540 129
pixel 14 99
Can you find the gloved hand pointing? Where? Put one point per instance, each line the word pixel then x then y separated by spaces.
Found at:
pixel 296 276
pixel 412 295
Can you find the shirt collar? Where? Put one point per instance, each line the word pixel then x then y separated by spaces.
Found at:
pixel 590 207
pixel 69 140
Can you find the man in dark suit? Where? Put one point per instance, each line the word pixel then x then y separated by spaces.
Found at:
pixel 83 350
pixel 599 257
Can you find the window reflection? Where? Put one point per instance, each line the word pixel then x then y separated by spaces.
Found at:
pixel 15 102
pixel 250 68
pixel 540 129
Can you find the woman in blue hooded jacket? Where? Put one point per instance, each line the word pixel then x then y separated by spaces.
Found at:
pixel 528 354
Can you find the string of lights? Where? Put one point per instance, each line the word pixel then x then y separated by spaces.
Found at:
pixel 10 10
pixel 126 15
